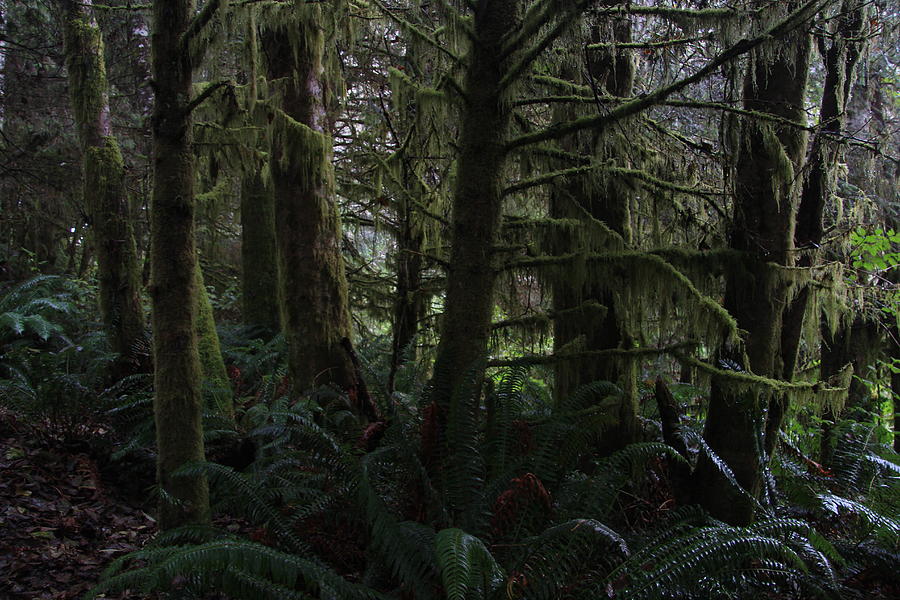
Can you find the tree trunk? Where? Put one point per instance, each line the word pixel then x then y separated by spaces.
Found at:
pixel 840 61
pixel 315 314
pixel 104 187
pixel 259 287
pixel 477 200
pixel 767 162
pixel 611 73
pixel 177 379
pixel 410 304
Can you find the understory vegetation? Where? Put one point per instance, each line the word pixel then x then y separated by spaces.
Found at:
pixel 443 299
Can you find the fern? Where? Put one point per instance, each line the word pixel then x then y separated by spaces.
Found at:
pixel 229 565
pixel 466 565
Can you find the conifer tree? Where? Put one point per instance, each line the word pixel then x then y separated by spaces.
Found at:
pixel 178 402
pixel 315 316
pixel 841 54
pixel 104 186
pixel 762 231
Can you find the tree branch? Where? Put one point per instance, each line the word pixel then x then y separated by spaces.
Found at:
pixel 636 105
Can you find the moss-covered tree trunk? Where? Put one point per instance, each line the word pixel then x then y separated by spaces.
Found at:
pixel 477 200
pixel 767 162
pixel 840 58
pixel 104 187
pixel 577 308
pixel 177 378
pixel 259 271
pixel 217 386
pixel 315 315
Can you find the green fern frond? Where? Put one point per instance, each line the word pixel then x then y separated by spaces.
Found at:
pixel 880 525
pixel 466 564
pixel 407 548
pixel 211 566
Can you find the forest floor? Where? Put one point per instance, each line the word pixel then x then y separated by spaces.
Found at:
pixel 64 515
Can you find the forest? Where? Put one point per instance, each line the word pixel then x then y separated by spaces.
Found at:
pixel 449 299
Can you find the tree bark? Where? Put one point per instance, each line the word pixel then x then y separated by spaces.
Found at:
pixel 477 200
pixel 259 286
pixel 104 187
pixel 178 401
pixel 212 367
pixel 765 187
pixel 841 56
pixel 410 304
pixel 315 314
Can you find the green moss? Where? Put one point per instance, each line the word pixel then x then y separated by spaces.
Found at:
pixel 212 367
pixel 86 69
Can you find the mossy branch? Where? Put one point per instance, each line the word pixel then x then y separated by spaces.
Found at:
pixel 416 32
pixel 703 14
pixel 538 14
pixel 647 45
pixel 611 352
pixel 651 260
pixel 548 317
pixel 205 94
pixel 641 103
pixel 637 174
pixel 200 21
pixel 528 57
pixel 548 178
pixel 744 377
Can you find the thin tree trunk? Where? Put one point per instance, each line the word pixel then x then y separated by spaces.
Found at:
pixel 104 187
pixel 178 401
pixel 409 307
pixel 857 344
pixel 477 200
pixel 469 299
pixel 212 366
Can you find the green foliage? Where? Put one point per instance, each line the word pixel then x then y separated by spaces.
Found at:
pixel 467 568
pixel 536 538
pixel 874 251
pixel 35 310
pixel 52 371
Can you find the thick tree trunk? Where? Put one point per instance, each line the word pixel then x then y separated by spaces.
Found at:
pixel 469 299
pixel 104 187
pixel 768 160
pixel 840 61
pixel 612 73
pixel 477 200
pixel 178 401
pixel 315 315
pixel 259 287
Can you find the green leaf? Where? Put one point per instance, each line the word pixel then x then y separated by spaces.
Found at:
pixel 466 564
